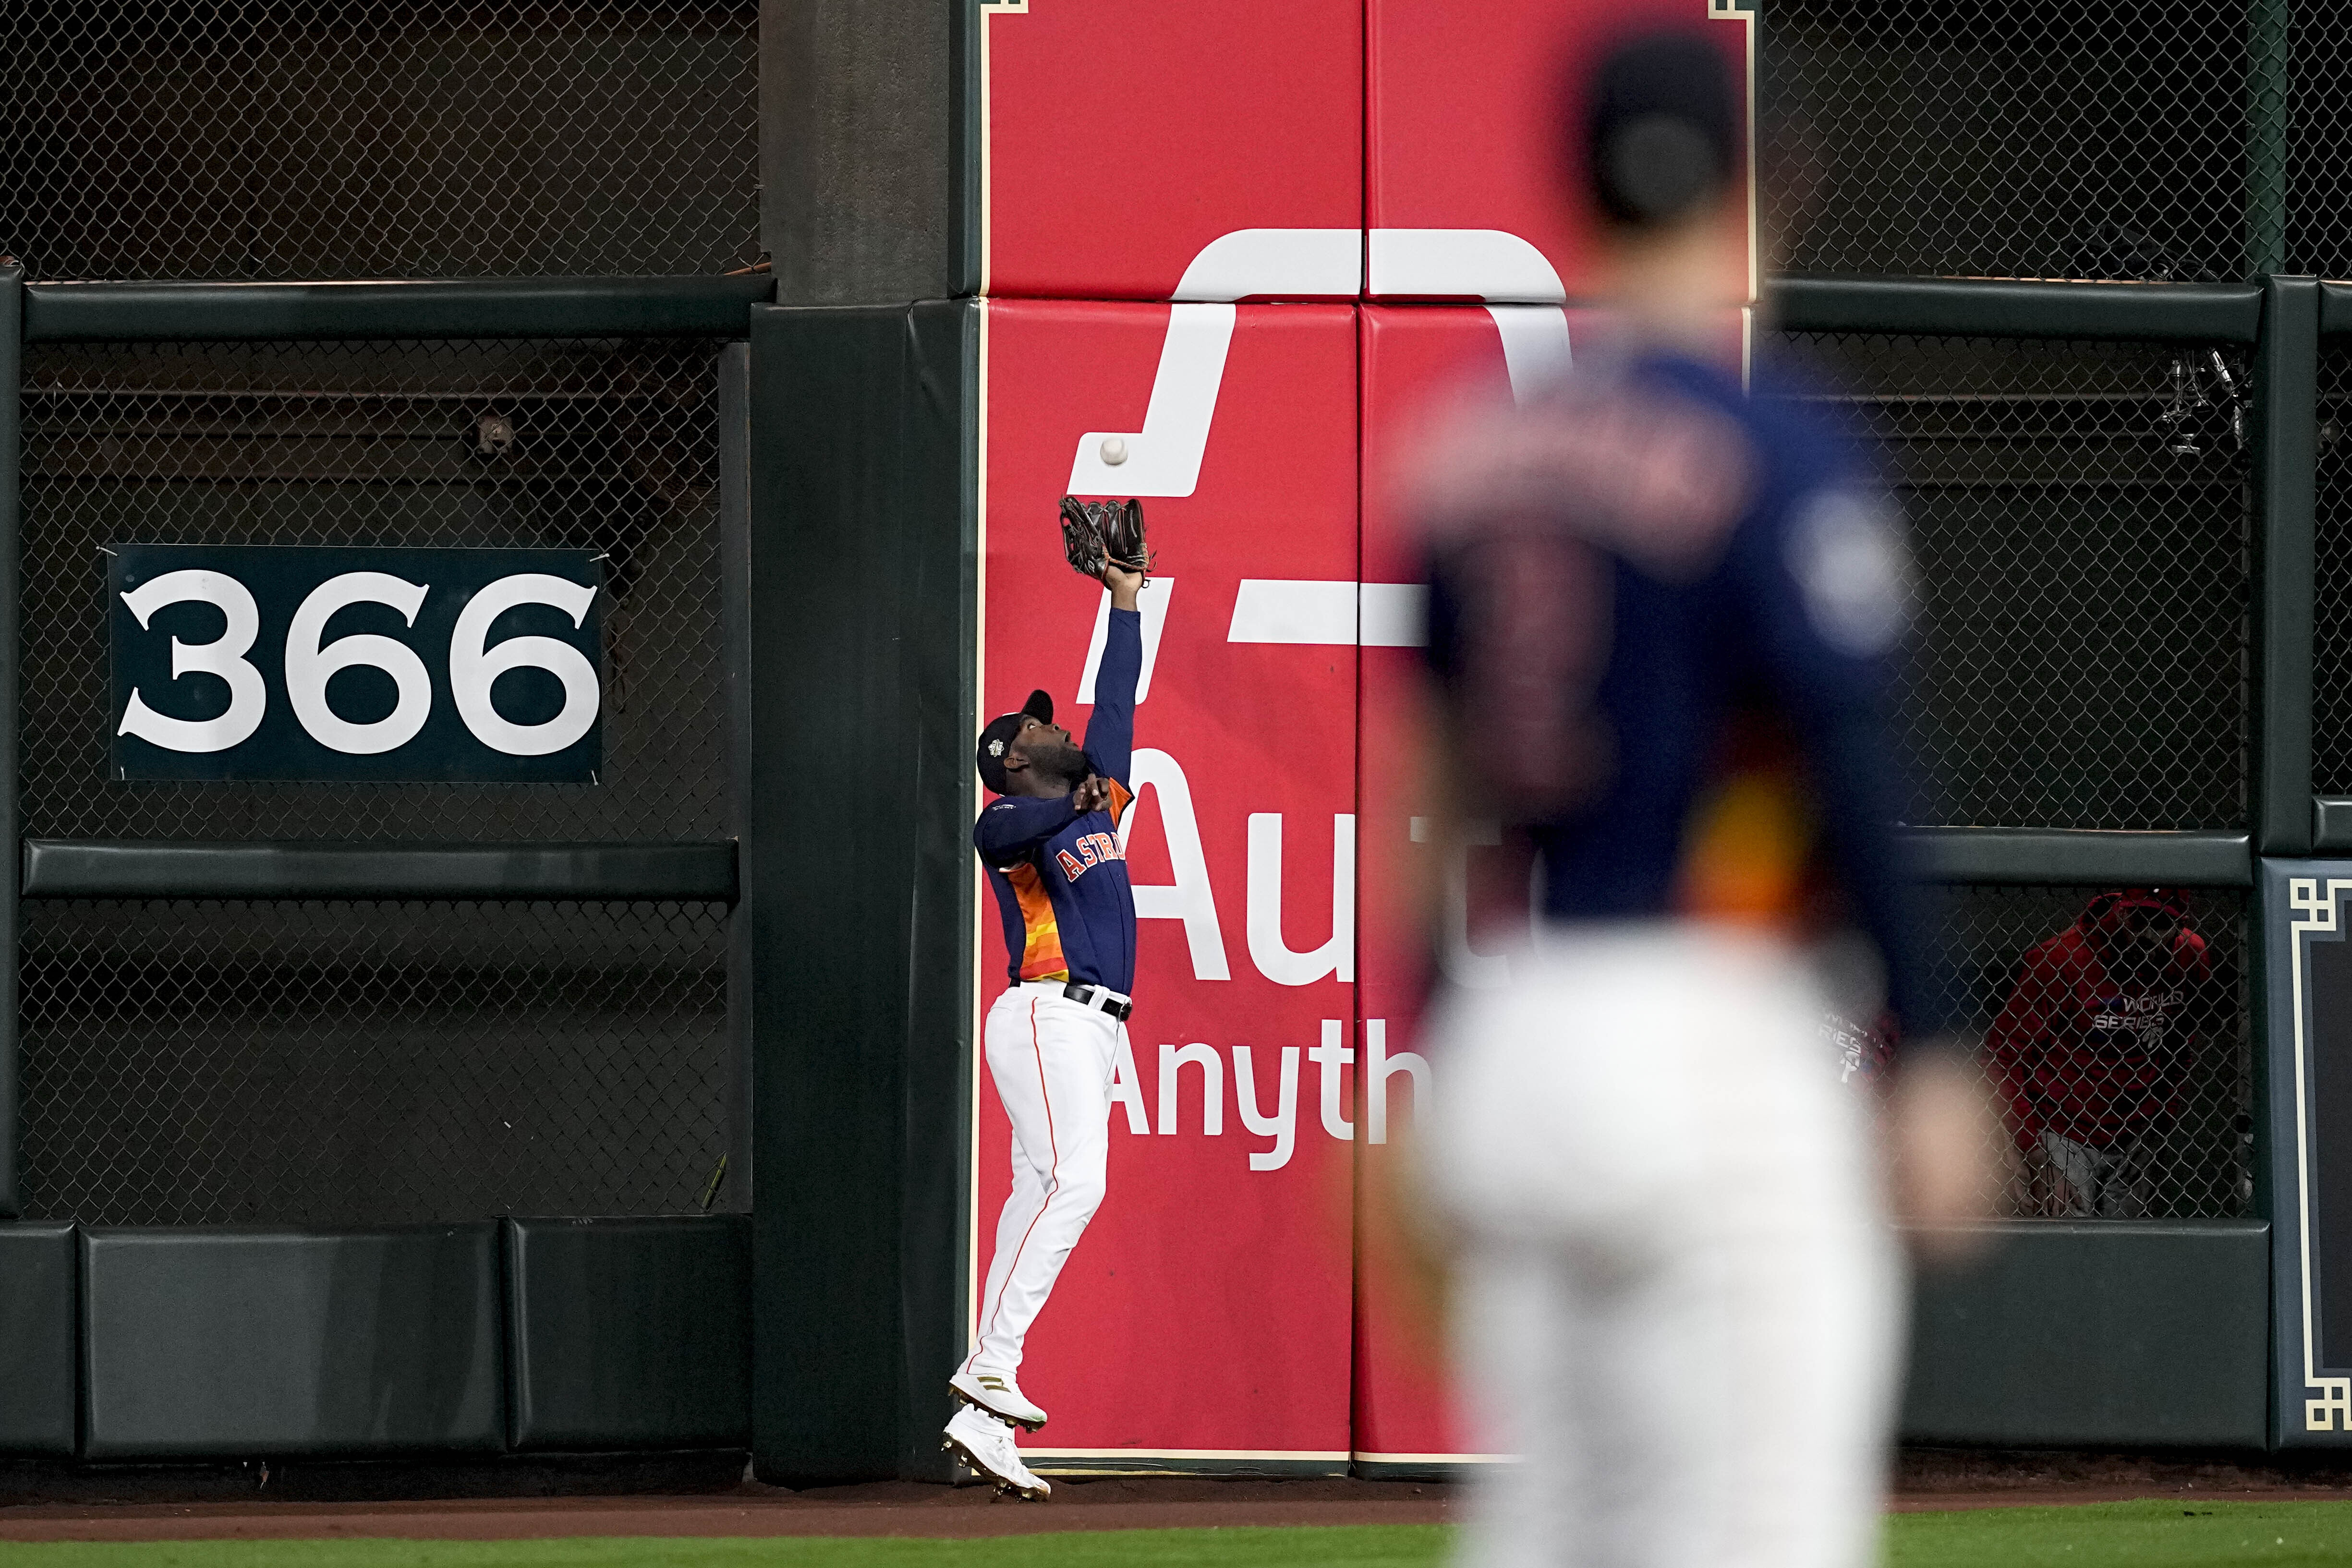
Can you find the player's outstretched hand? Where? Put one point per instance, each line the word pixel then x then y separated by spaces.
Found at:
pixel 1942 1132
pixel 1124 585
pixel 1093 794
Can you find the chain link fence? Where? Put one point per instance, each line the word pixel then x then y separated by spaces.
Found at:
pixel 352 1062
pixel 2080 519
pixel 2125 1073
pixel 604 445
pixel 2009 139
pixel 347 1063
pixel 314 139
pixel 2319 120
pixel 2331 672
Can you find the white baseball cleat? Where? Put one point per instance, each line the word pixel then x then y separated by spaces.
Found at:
pixel 999 1395
pixel 986 1444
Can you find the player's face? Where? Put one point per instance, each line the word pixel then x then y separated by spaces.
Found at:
pixel 1035 729
pixel 1050 754
pixel 2147 937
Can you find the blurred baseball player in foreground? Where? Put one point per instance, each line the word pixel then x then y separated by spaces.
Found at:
pixel 1661 620
pixel 1050 844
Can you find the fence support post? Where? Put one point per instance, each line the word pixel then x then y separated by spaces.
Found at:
pixel 12 355
pixel 2269 78
pixel 2287 448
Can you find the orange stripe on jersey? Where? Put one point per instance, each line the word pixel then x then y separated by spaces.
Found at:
pixel 1121 798
pixel 1041 947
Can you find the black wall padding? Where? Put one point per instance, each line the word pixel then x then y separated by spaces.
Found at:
pixel 629 1333
pixel 36 1339
pixel 856 879
pixel 250 1344
pixel 2127 1333
pixel 866 110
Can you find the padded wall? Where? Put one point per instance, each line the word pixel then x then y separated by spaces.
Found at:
pixel 856 879
pixel 38 1267
pixel 243 1342
pixel 2117 1333
pixel 628 1334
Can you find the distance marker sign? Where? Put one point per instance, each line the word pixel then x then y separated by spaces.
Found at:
pixel 256 661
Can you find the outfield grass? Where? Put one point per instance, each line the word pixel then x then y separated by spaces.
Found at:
pixel 2089 1535
pixel 1372 1546
pixel 2126 1535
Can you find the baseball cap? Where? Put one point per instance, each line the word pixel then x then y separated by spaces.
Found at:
pixel 990 754
pixel 1660 127
pixel 2110 906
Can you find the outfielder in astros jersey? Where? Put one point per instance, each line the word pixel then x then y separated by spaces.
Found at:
pixel 1050 844
pixel 1663 621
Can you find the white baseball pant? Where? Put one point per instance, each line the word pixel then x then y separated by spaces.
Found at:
pixel 1677 1302
pixel 1052 1060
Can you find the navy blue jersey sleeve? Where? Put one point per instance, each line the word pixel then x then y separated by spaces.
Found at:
pixel 1828 584
pixel 1110 733
pixel 1015 824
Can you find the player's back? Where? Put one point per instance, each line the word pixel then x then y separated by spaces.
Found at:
pixel 1663 614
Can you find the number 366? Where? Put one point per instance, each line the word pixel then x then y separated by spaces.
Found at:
pixel 473 668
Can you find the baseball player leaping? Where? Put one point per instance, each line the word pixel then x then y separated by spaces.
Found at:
pixel 1050 845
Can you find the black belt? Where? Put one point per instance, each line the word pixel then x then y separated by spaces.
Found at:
pixel 1084 997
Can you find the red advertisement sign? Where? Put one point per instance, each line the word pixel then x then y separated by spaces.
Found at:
pixel 1123 137
pixel 1230 1299
pixel 1219 151
pixel 1206 1312
pixel 1465 163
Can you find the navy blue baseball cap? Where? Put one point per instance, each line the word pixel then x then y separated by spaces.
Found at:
pixel 1661 127
pixel 990 756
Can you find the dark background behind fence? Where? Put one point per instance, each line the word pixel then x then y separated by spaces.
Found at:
pixel 349 1062
pixel 378 137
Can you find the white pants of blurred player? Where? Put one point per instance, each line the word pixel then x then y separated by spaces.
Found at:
pixel 1052 1060
pixel 1676 1300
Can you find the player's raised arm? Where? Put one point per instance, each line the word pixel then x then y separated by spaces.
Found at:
pixel 1110 733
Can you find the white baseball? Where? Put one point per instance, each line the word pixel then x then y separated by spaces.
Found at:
pixel 1113 450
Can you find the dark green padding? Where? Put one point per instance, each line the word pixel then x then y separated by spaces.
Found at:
pixel 235 1341
pixel 36 1339
pixel 100 868
pixel 2119 1332
pixel 629 1333
pixel 1988 307
pixel 146 312
pixel 2038 856
pixel 857 880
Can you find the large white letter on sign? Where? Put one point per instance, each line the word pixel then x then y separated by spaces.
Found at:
pixel 248 698
pixel 473 671
pixel 308 667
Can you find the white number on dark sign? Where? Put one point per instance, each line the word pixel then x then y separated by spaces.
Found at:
pixel 308 666
pixel 472 671
pixel 474 668
pixel 248 698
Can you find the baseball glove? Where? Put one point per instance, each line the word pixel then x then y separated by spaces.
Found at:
pixel 1101 534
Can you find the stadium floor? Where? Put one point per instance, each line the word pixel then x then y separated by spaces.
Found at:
pixel 1950 1511
pixel 2150 1533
